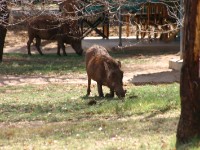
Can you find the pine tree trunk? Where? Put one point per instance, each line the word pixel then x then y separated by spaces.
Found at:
pixel 189 123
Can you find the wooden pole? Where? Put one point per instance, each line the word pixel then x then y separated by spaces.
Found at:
pixel 120 27
pixel 127 24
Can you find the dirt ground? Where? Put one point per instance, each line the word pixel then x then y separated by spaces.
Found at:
pixel 152 73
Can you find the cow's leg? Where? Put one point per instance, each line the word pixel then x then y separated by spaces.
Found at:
pixel 88 88
pixel 100 91
pixel 37 45
pixel 3 31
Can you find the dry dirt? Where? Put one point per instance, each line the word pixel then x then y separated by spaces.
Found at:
pixel 152 73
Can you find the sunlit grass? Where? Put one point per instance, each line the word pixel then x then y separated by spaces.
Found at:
pixel 55 102
pixel 57 116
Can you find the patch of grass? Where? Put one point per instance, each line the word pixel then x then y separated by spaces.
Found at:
pixel 97 134
pixel 19 64
pixel 56 116
pixel 56 102
pixel 22 64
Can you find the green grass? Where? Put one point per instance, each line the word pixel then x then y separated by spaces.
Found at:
pixel 18 64
pixel 22 64
pixel 57 116
pixel 55 102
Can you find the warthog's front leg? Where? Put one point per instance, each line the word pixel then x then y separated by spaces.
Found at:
pixel 111 94
pixel 100 91
pixel 30 40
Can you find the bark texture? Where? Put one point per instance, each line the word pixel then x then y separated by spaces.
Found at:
pixel 189 123
pixel 4 16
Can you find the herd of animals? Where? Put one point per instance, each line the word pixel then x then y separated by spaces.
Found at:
pixel 100 66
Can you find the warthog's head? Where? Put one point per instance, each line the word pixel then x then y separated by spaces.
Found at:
pixel 73 35
pixel 77 46
pixel 76 42
pixel 115 78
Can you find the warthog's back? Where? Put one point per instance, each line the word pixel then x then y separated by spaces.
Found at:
pixel 44 22
pixel 94 51
pixel 96 56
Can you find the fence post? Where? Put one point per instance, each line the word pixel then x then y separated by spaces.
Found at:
pixel 120 27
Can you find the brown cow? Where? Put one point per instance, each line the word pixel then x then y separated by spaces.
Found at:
pixel 49 27
pixel 103 69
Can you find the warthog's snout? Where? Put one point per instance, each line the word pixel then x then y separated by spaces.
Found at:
pixel 121 93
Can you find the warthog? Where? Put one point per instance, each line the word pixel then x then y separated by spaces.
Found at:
pixel 103 69
pixel 48 27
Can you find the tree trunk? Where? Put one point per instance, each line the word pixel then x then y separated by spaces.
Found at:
pixel 189 123
pixel 4 16
pixel 3 31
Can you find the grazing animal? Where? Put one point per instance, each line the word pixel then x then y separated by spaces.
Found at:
pixel 4 16
pixel 103 69
pixel 48 27
pixel 69 9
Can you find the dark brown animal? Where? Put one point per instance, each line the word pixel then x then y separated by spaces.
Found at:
pixel 49 27
pixel 68 8
pixel 4 16
pixel 103 69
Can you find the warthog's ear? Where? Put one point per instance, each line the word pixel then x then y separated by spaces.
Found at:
pixel 119 64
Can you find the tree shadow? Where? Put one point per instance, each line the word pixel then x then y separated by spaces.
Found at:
pixel 189 144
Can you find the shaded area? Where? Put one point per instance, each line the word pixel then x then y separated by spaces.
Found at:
pixel 18 64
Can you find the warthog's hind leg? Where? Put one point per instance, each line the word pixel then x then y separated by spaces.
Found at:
pixel 88 88
pixel 61 45
pixel 30 40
